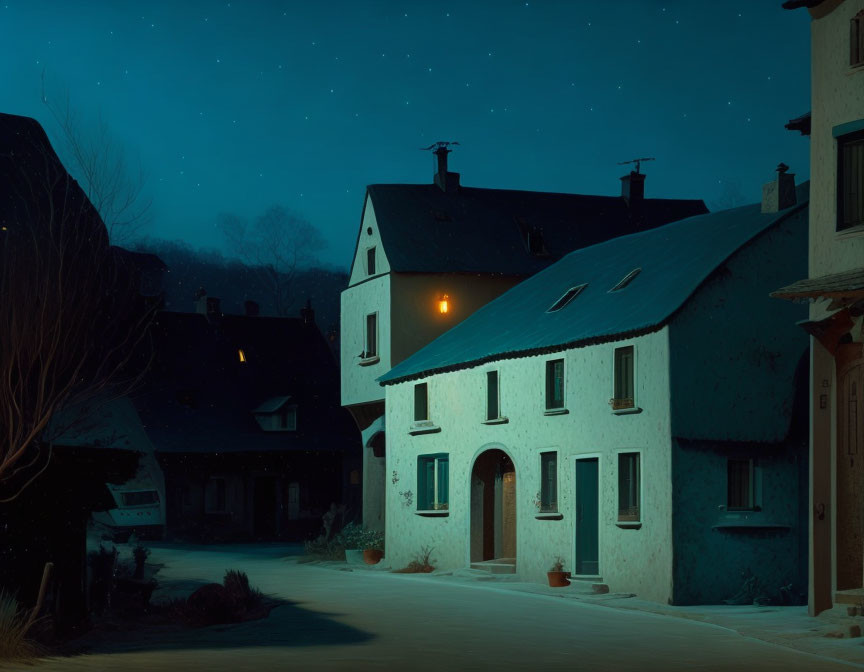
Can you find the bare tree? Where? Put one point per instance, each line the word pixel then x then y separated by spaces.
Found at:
pixel 69 321
pixel 276 245
pixel 101 166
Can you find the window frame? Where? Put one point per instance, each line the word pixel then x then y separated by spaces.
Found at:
pixel 634 489
pixel 367 353
pixel 546 503
pixel 618 404
pixel 567 298
pixel 550 385
pixel 856 40
pixel 286 414
pixel 497 376
pixel 843 141
pixel 424 387
pixel 436 460
pixel 754 489
pixel 371 260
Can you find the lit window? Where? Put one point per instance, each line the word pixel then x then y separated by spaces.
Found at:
pixel 370 261
pixel 548 482
pixel 623 392
pixel 628 487
pixel 740 485
pixel 433 482
pixel 554 384
pixel 493 412
pixel 241 355
pixel 850 180
pixel 568 296
pixel 626 280
pixel 421 402
pixel 444 303
pixel 371 345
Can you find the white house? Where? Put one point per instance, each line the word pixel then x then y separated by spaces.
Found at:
pixel 429 255
pixel 834 285
pixel 629 409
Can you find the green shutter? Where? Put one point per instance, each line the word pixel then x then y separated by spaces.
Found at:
pixel 443 481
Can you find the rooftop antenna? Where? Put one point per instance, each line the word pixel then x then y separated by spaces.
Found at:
pixel 441 144
pixel 637 162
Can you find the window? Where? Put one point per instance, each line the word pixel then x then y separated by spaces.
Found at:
pixel 549 482
pixel 241 355
pixel 568 296
pixel 493 411
pixel 628 487
pixel 371 345
pixel 215 496
pixel 856 40
pixel 140 498
pixel 433 482
pixel 421 402
pixel 370 261
pixel 626 280
pixel 850 180
pixel 554 384
pixel 740 485
pixel 288 419
pixel 623 393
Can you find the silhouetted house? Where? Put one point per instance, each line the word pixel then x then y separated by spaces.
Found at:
pixel 834 286
pixel 630 409
pixel 428 255
pixel 244 413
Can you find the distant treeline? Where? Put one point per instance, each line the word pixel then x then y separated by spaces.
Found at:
pixel 233 282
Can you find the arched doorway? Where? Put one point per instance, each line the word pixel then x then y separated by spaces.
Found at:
pixel 493 509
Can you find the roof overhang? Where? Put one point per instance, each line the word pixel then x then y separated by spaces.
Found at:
pixel 801 124
pixel 844 289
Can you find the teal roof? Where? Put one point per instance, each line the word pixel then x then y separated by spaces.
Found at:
pixel 674 260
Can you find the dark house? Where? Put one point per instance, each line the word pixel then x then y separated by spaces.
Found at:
pixel 244 414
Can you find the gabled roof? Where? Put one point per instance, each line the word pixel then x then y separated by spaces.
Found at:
pixel 273 405
pixel 470 230
pixel 675 259
pixel 200 398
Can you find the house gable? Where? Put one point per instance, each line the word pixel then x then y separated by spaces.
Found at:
pixel 368 238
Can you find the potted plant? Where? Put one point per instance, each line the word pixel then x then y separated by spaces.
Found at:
pixel 373 547
pixel 351 539
pixel 558 578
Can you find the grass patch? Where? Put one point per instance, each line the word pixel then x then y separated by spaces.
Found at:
pixel 421 564
pixel 14 644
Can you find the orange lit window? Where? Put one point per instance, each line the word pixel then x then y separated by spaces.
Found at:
pixel 444 303
pixel 241 355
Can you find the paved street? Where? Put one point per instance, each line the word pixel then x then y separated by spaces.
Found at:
pixel 368 620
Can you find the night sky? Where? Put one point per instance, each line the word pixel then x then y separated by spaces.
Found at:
pixel 235 106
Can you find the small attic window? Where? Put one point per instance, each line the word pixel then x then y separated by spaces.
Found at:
pixel 626 280
pixel 533 237
pixel 241 355
pixel 569 295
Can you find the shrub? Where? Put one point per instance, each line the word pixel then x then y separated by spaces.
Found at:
pixel 14 644
pixel 372 539
pixel 237 586
pixel 325 549
pixel 421 564
pixel 352 536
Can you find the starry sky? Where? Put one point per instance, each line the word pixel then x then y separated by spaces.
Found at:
pixel 236 106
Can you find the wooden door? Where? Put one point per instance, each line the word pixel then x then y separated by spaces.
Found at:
pixel 587 517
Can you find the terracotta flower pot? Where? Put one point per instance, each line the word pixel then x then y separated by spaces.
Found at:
pixel 372 556
pixel 558 579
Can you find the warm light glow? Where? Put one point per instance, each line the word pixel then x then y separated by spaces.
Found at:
pixel 242 355
pixel 444 303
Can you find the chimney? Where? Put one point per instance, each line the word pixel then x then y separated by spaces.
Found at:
pixel 250 308
pixel 446 181
pixel 633 192
pixel 307 315
pixel 780 193
pixel 201 301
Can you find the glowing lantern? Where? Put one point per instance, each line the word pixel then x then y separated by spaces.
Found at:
pixel 444 303
pixel 242 355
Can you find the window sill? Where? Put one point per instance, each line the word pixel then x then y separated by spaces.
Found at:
pixel 423 428
pixel 628 524
pixel 368 361
pixel 496 421
pixel 433 513
pixel 851 232
pixel 551 515
pixel 749 525
pixel 556 411
pixel 626 411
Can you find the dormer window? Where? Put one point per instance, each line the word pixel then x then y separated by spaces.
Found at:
pixel 533 237
pixel 568 296
pixel 241 355
pixel 856 40
pixel 278 414
pixel 626 280
pixel 370 261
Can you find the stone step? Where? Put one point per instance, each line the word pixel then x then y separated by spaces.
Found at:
pixel 496 566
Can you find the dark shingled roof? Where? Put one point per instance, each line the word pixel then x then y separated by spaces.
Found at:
pixel 801 124
pixel 795 4
pixel 471 230
pixel 836 285
pixel 199 397
pixel 674 260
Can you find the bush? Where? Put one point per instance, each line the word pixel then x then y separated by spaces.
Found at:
pixel 372 539
pixel 351 536
pixel 421 564
pixel 14 644
pixel 325 549
pixel 237 587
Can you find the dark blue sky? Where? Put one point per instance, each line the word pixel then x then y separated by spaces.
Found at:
pixel 232 107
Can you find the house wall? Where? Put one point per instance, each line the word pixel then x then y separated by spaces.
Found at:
pixel 837 98
pixel 735 353
pixel 358 382
pixel 635 560
pixel 369 237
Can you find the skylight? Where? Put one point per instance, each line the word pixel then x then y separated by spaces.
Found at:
pixel 569 295
pixel 626 280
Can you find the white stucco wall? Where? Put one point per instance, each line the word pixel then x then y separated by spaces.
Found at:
pixel 636 560
pixel 358 381
pixel 369 237
pixel 837 98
